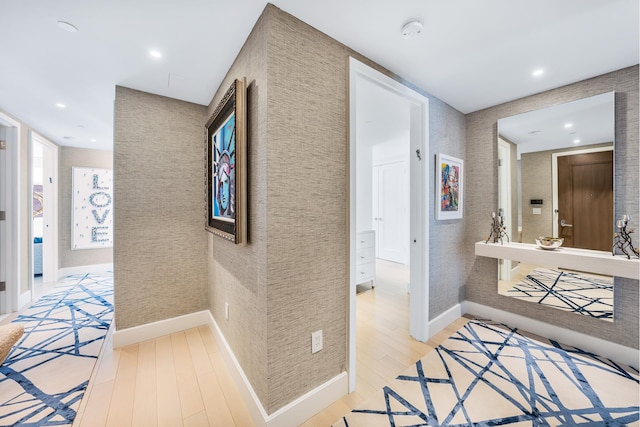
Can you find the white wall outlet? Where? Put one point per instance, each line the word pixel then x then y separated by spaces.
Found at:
pixel 537 211
pixel 226 310
pixel 316 341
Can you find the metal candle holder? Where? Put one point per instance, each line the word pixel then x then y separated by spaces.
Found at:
pixel 622 239
pixel 498 230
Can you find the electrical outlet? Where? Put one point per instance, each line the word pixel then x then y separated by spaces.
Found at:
pixel 316 341
pixel 226 310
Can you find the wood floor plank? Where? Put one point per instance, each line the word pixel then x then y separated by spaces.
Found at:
pixel 201 362
pixel 234 400
pixel 96 411
pixel 124 388
pixel 169 410
pixel 145 398
pixel 188 388
pixel 217 410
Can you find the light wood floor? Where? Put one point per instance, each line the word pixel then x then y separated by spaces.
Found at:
pixel 181 379
pixel 384 348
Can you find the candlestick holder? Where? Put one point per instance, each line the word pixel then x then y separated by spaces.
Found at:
pixel 622 239
pixel 498 230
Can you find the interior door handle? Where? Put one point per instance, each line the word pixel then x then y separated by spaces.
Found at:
pixel 564 224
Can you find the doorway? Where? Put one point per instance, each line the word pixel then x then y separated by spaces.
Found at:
pixel 583 198
pixel 43 238
pixel 361 76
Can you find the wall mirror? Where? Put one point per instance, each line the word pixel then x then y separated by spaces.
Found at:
pixel 555 178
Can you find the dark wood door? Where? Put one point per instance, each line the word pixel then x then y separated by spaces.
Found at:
pixel 585 200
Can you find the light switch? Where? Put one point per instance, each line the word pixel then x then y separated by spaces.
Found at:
pixel 537 211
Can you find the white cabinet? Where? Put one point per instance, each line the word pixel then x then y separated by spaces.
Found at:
pixel 365 257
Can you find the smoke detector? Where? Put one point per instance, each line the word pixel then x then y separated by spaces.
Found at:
pixel 412 29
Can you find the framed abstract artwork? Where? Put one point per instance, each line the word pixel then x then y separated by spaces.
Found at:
pixel 226 209
pixel 448 191
pixel 92 210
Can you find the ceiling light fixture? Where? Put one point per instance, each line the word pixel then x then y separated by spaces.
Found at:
pixel 61 105
pixel 67 26
pixel 568 125
pixel 155 54
pixel 93 140
pixel 538 72
pixel 576 141
pixel 412 29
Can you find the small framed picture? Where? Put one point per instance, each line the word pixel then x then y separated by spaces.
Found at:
pixel 448 191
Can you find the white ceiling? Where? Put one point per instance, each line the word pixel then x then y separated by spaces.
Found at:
pixel 472 54
pixel 576 124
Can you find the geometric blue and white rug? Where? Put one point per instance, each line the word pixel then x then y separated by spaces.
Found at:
pixel 488 375
pixel 44 377
pixel 578 293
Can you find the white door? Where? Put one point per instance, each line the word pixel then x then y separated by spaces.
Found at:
pixel 391 211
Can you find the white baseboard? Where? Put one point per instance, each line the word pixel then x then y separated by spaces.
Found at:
pixel 613 351
pixel 444 320
pixel 295 412
pixel 95 268
pixel 154 330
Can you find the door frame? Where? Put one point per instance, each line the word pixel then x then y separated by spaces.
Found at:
pixel 419 224
pixel 554 178
pixel 13 221
pixel 50 253
pixel 504 195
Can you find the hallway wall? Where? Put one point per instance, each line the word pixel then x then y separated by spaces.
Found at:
pixel 160 268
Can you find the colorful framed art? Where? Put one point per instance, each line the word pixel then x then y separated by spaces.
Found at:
pixel 226 166
pixel 448 191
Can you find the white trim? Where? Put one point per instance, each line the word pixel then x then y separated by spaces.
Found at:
pixel 50 254
pixel 419 224
pixel 613 351
pixel 294 413
pixel 554 178
pixel 95 268
pixel 445 319
pixel 13 222
pixel 149 331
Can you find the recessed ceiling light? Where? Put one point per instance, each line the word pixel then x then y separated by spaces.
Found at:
pixel 411 29
pixel 155 53
pixel 576 141
pixel 92 140
pixel 67 26
pixel 61 105
pixel 568 125
pixel 538 72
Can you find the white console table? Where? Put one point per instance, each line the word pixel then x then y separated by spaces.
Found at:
pixel 572 258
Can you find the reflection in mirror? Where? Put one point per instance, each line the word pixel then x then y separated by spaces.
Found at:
pixel 555 178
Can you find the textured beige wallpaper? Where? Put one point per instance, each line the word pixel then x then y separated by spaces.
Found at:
pixel 160 245
pixel 481 152
pixel 536 184
pixel 238 274
pixel 70 157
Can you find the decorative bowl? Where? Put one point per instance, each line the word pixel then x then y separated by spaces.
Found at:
pixel 549 243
